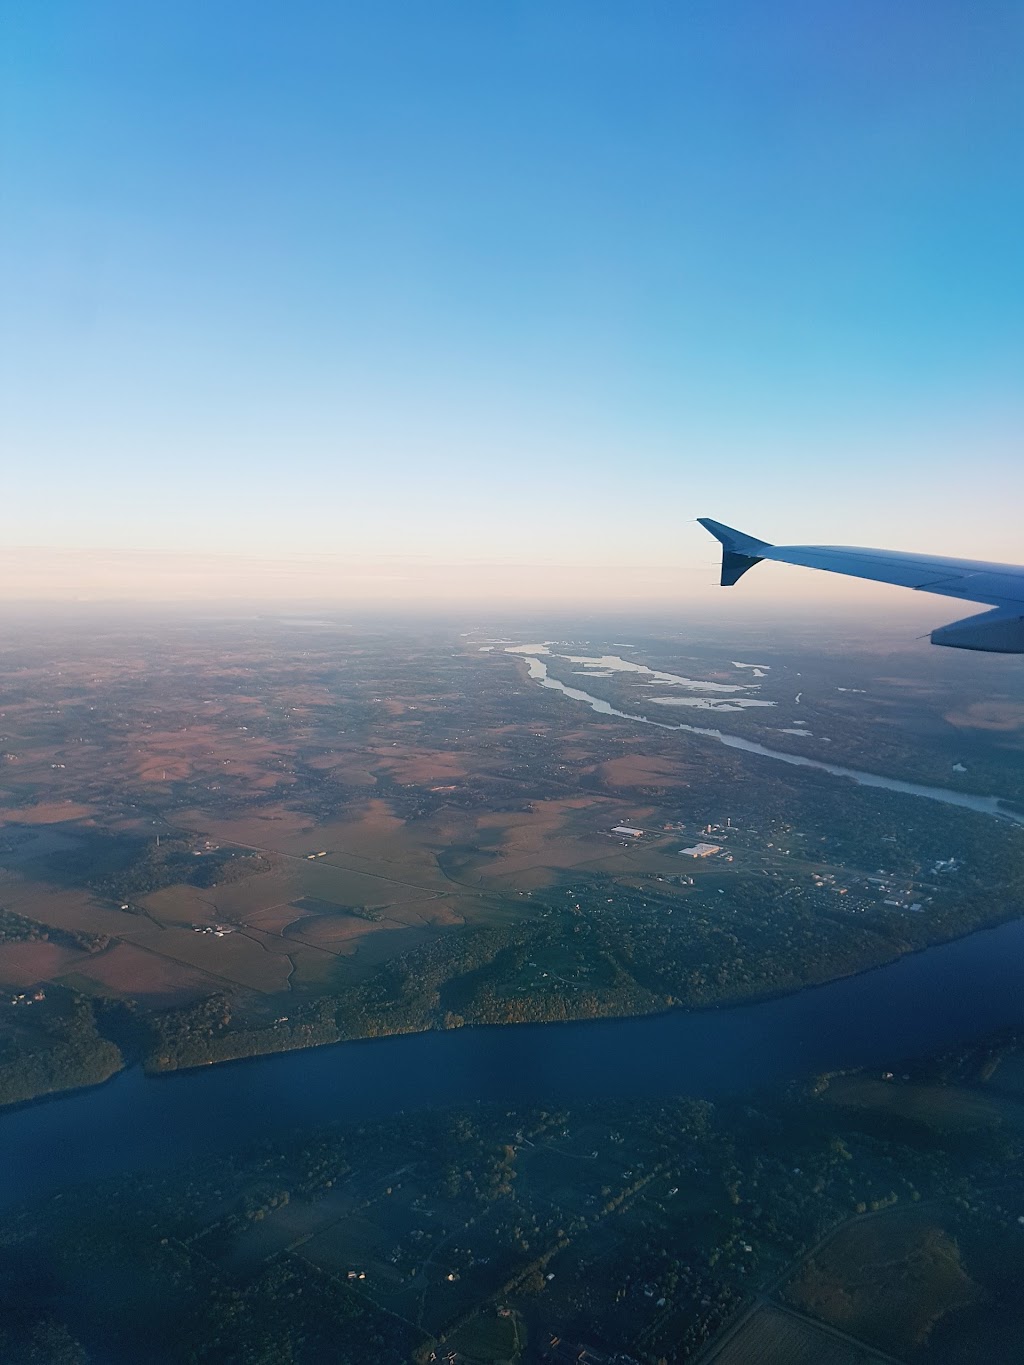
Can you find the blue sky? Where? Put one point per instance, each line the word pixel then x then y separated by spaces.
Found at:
pixel 480 282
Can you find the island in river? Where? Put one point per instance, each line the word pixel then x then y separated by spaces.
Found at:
pixel 225 838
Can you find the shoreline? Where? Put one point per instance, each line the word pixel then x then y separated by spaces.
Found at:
pixel 752 1001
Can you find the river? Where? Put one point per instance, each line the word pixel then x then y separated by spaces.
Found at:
pixel 926 1001
pixel 537 669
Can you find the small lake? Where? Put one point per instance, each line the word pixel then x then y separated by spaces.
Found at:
pixel 924 1002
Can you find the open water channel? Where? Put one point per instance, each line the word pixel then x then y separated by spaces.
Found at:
pixel 922 1003
pixel 537 670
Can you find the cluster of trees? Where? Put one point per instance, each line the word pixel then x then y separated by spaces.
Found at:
pixel 40 1341
pixel 172 862
pixel 122 866
pixel 208 1031
pixel 57 1046
pixel 15 928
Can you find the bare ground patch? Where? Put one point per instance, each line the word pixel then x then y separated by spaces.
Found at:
pixel 642 770
pixel 64 909
pixel 1005 716
pixel 134 973
pixel 275 919
pixel 235 958
pixel 344 768
pixel 277 828
pixel 23 964
pixel 421 766
pixel 45 813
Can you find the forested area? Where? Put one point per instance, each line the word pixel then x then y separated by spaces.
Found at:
pixel 211 1031
pixel 54 1045
pixel 614 951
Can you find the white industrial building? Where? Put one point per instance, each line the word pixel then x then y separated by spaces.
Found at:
pixel 700 850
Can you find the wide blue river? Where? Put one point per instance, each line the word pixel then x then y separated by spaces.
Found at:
pixel 923 1002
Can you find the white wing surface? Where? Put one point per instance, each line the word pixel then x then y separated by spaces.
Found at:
pixel 1001 586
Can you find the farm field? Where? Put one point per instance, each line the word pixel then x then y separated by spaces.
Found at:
pixel 931 1104
pixel 130 972
pixel 773 1336
pixel 887 1279
pixel 358 833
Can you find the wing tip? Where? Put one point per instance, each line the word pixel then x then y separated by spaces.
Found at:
pixel 739 551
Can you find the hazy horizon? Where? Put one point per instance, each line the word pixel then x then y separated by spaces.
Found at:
pixel 37 579
pixel 461 300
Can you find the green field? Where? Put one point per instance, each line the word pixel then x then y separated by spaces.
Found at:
pixel 775 1337
pixel 887 1279
pixel 487 1339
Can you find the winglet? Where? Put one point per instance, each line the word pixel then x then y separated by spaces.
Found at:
pixel 739 552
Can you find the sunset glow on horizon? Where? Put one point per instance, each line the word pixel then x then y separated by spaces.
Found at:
pixel 467 303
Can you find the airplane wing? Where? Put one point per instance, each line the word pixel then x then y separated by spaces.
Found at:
pixel 1001 586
